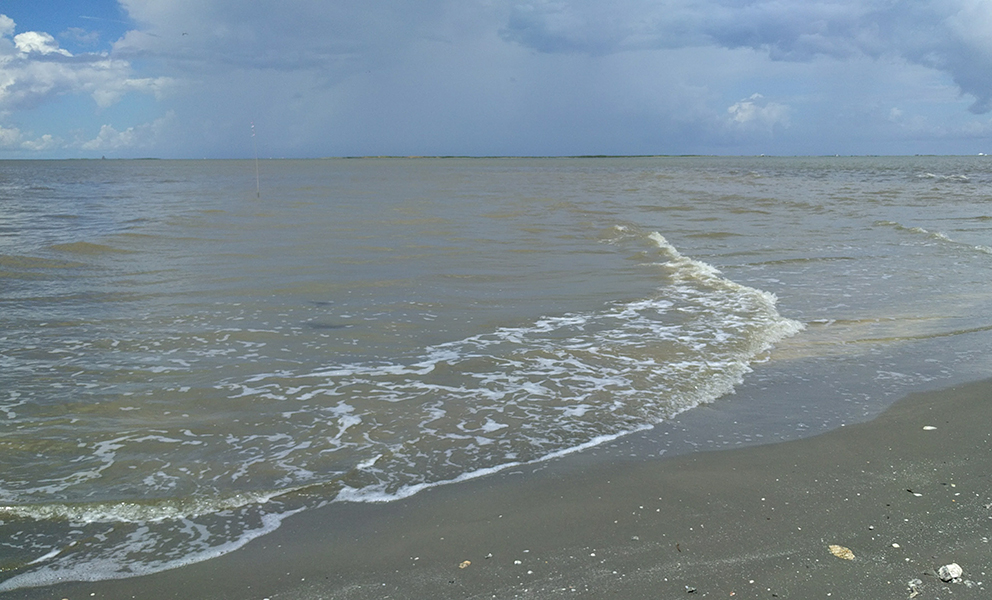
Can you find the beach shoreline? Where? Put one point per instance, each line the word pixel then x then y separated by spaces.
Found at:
pixel 906 492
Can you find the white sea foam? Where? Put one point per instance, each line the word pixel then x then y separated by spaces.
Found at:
pixel 955 178
pixel 137 512
pixel 201 367
pixel 118 564
pixel 938 236
pixel 571 364
pixel 458 410
pixel 379 494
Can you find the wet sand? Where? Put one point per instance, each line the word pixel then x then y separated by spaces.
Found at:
pixel 746 523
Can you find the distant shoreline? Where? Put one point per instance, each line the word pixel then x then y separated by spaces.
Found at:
pixel 503 157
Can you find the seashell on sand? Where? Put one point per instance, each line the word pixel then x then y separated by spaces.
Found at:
pixel 841 552
pixel 950 572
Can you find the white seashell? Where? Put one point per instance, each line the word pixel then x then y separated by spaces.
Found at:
pixel 950 572
pixel 841 552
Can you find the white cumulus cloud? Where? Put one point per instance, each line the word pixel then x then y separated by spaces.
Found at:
pixel 111 139
pixel 6 26
pixel 43 143
pixel 10 137
pixel 39 42
pixel 141 136
pixel 34 69
pixel 755 111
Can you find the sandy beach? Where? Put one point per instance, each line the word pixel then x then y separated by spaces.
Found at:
pixel 906 493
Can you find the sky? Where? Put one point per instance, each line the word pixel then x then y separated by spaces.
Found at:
pixel 316 78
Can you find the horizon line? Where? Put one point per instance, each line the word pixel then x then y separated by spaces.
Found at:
pixel 510 156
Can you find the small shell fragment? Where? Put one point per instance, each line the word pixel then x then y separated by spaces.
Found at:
pixel 950 572
pixel 841 552
pixel 928 428
pixel 464 564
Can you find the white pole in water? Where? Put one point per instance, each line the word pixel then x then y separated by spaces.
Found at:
pixel 254 144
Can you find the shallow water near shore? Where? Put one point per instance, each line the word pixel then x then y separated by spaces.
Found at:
pixel 185 365
pixel 905 493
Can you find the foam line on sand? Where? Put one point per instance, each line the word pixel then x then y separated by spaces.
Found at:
pixel 906 493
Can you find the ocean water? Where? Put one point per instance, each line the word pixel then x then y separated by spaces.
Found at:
pixel 184 364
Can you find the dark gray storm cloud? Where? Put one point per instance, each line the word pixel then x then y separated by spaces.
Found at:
pixel 218 35
pixel 953 36
pixel 337 77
